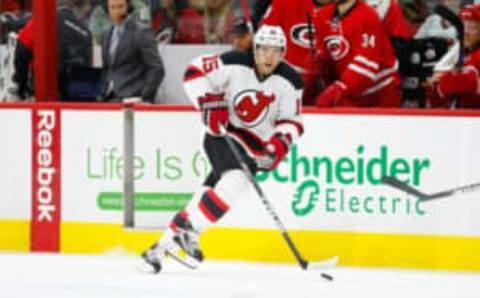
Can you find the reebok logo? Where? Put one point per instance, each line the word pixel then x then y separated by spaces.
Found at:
pixel 45 172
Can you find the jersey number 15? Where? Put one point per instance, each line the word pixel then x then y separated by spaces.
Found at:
pixel 210 63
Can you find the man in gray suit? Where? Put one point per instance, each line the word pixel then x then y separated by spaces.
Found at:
pixel 131 63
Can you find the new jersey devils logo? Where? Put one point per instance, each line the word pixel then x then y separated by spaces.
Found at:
pixel 337 46
pixel 301 36
pixel 251 106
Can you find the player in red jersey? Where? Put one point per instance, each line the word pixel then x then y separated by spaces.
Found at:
pixel 461 86
pixel 349 34
pixel 295 17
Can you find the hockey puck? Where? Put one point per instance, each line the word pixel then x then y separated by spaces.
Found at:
pixel 327 276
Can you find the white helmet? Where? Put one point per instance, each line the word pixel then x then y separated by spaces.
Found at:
pixel 270 36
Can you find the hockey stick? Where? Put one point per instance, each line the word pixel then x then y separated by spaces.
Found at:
pixel 246 14
pixel 306 265
pixel 395 183
pixel 311 35
pixel 246 10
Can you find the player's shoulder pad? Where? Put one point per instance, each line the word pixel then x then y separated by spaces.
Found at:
pixel 238 58
pixel 291 75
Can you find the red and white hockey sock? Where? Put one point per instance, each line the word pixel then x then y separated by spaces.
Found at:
pixel 179 221
pixel 205 209
pixel 212 206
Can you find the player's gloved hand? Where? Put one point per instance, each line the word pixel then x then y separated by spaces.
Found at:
pixel 441 88
pixel 447 84
pixel 330 96
pixel 214 111
pixel 276 148
pixel 434 98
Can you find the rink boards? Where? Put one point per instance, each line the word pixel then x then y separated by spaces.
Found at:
pixel 63 170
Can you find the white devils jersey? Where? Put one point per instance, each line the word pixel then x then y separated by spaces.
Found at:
pixel 257 108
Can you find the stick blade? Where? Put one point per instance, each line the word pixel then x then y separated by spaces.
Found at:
pixel 440 195
pixel 323 264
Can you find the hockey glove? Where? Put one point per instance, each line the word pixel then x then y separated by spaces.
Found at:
pixel 214 112
pixel 276 149
pixel 447 84
pixel 331 95
pixel 458 82
pixel 434 98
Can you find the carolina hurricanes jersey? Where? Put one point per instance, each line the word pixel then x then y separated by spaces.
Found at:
pixel 257 108
pixel 292 16
pixel 466 82
pixel 471 85
pixel 361 53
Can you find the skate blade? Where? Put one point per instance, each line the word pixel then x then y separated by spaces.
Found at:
pixel 183 259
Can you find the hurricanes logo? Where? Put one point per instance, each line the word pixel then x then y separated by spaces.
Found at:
pixel 301 36
pixel 305 198
pixel 337 46
pixel 251 106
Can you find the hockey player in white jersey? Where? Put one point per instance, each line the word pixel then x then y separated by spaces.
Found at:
pixel 257 98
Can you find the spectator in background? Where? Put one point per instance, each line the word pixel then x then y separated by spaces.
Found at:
pixel 23 60
pixel 190 24
pixel 461 87
pixel 242 35
pixel 218 22
pixel 131 62
pixel 174 21
pixel 12 6
pixel 74 49
pixel 100 20
pixel 198 5
pixel 164 18
pixel 206 22
pixel 83 9
pixel 12 18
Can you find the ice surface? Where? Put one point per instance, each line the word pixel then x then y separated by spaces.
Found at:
pixel 118 276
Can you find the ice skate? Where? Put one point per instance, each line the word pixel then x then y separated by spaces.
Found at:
pixel 160 250
pixel 182 246
pixel 187 239
pixel 152 257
